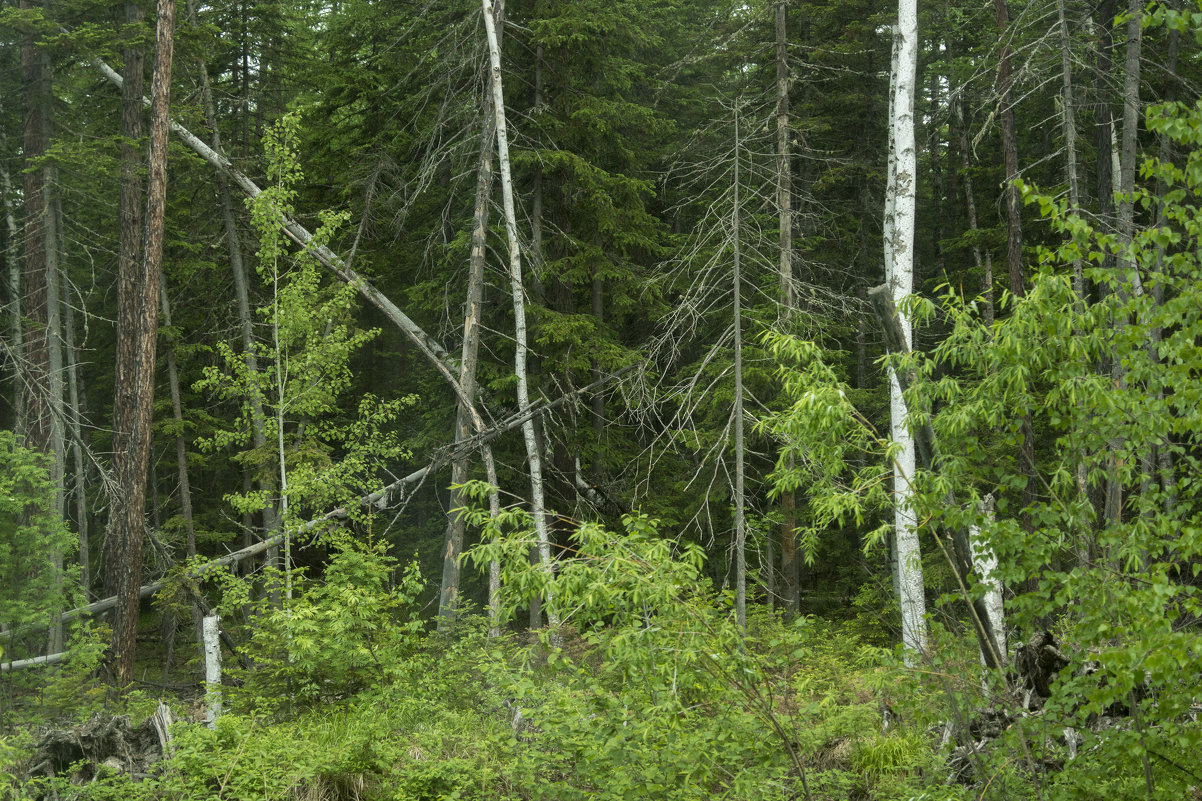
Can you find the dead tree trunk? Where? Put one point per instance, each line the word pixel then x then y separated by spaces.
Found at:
pixel 75 420
pixel 469 358
pixel 1014 233
pixel 533 454
pixel 44 424
pixel 784 204
pixel 129 249
pixel 13 278
pixel 737 412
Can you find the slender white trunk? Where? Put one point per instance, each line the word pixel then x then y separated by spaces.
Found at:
pixel 740 500
pixel 468 419
pixel 899 273
pixel 212 643
pixel 984 564
pixel 533 455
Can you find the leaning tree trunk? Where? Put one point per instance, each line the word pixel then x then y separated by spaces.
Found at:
pixel 137 327
pixel 533 455
pixel 469 358
pixel 899 273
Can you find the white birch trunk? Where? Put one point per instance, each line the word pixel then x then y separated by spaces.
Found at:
pixel 212 670
pixel 899 273
pixel 533 455
pixel 984 564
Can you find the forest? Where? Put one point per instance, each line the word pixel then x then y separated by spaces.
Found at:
pixel 565 399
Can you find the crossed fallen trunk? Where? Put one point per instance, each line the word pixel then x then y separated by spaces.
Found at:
pixel 381 498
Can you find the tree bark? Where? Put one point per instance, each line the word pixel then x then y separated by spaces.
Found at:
pixel 784 204
pixel 899 274
pixel 533 455
pixel 16 329
pixel 1104 129
pixel 137 328
pixel 737 411
pixel 42 345
pixel 129 250
pixel 54 347
pixel 1014 233
pixel 1128 153
pixel 75 419
pixel 468 360
pixel 985 564
pixel 1069 124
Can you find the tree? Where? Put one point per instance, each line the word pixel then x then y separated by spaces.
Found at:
pixel 137 329
pixel 317 454
pixel 32 534
pixel 899 275
pixel 517 289
pixel 467 418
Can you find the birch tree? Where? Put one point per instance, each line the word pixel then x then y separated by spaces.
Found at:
pixel 533 452
pixel 899 274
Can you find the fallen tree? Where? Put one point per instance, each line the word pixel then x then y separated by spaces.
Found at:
pixel 429 347
pixel 36 661
pixel 381 499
